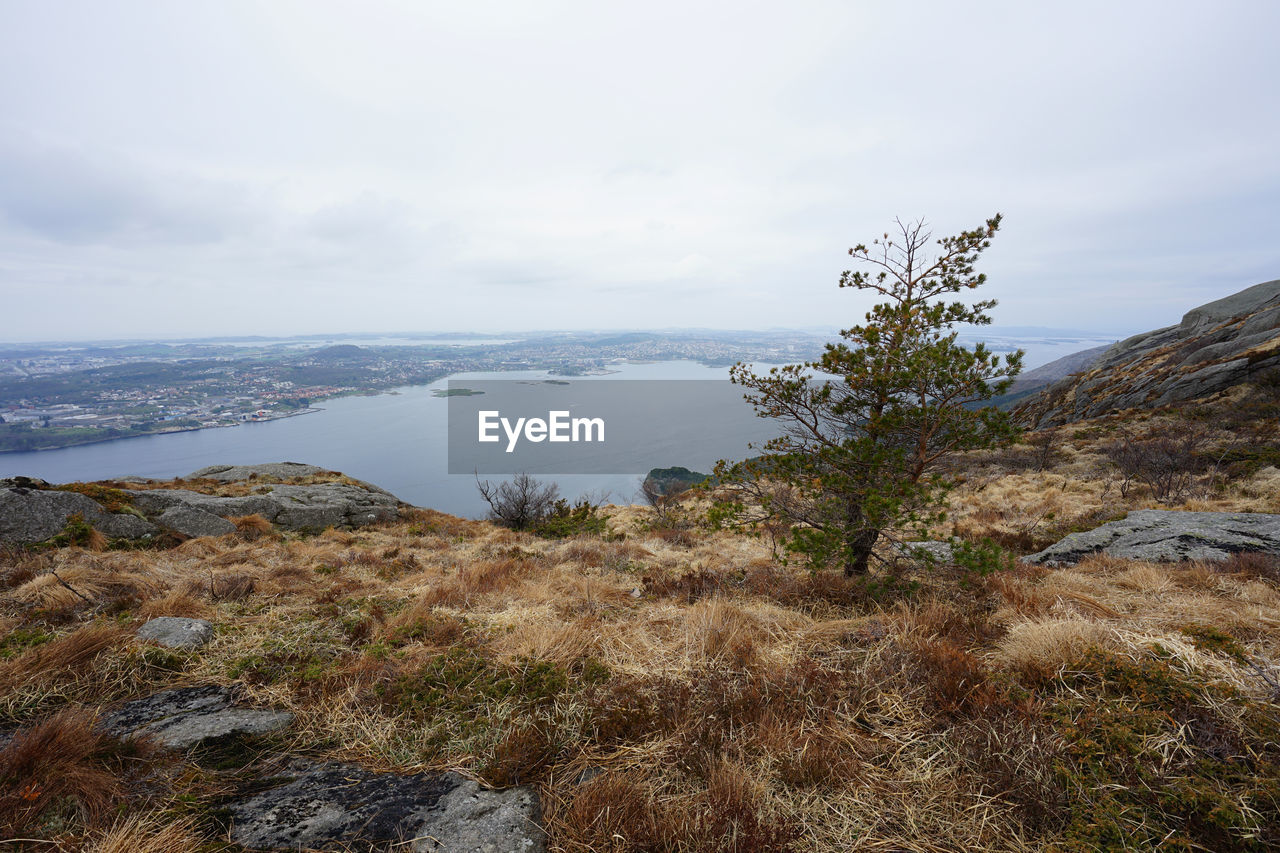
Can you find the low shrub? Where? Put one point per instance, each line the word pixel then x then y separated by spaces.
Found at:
pixel 1150 762
pixel 562 521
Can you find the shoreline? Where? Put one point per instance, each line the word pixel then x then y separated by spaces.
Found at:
pixel 307 411
pixel 372 392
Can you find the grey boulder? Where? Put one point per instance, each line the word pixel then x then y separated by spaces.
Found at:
pixel 176 632
pixel 194 522
pixel 34 515
pixel 236 473
pixel 938 551
pixel 327 804
pixel 1169 536
pixel 312 507
pixel 190 716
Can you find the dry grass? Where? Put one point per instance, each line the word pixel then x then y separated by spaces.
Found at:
pixel 209 486
pixel 1040 648
pixel 65 659
pixel 62 764
pixel 147 833
pixel 681 692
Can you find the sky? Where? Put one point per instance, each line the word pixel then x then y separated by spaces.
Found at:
pixel 224 168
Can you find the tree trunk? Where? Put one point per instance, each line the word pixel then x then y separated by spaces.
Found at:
pixel 858 548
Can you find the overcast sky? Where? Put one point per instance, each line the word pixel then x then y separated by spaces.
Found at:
pixel 190 168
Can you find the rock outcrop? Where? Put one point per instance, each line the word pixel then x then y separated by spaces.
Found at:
pixel 308 804
pixel 192 716
pixel 236 473
pixel 1058 369
pixel 30 514
pixel 192 521
pixel 1169 536
pixel 320 805
pixel 311 507
pixel 1215 347
pixel 33 511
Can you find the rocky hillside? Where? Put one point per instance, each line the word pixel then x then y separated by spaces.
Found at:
pixel 429 683
pixel 210 502
pixel 1216 347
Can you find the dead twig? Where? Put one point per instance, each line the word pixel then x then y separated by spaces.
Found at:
pixel 1265 676
pixel 77 592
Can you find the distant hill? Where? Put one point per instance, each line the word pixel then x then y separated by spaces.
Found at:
pixel 1216 346
pixel 341 354
pixel 1046 374
pixel 1033 381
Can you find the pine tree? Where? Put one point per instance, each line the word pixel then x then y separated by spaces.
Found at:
pixel 859 455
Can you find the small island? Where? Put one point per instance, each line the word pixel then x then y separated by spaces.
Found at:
pixel 672 481
pixel 456 392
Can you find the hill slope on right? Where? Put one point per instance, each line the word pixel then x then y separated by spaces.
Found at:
pixel 1215 348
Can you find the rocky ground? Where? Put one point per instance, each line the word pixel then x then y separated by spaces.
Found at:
pixel 332 670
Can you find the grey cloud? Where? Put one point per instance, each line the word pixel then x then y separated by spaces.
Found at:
pixel 538 166
pixel 68 195
pixel 366 216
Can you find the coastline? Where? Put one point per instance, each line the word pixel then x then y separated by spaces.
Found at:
pixel 307 411
pixel 370 392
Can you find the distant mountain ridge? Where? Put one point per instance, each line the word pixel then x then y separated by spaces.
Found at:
pixel 1061 368
pixel 1216 346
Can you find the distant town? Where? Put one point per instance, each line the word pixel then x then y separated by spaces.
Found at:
pixel 62 394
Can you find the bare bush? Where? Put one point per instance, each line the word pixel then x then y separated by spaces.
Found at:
pixel 669 510
pixel 519 503
pixel 1044 447
pixel 1168 461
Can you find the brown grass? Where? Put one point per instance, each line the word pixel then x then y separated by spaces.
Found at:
pixel 469 583
pixel 209 486
pixel 66 658
pixel 64 765
pixel 677 693
pixel 148 833
pixel 251 527
pixel 626 811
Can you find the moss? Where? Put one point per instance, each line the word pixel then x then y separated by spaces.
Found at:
pixel 76 532
pixel 1210 639
pixel 1219 790
pixel 1245 461
pixel 464 683
pixel 112 500
pixel 280 660
pixel 594 672
pixel 157 660
pixel 19 640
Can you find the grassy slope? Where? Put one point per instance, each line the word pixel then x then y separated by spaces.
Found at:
pixel 733 704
